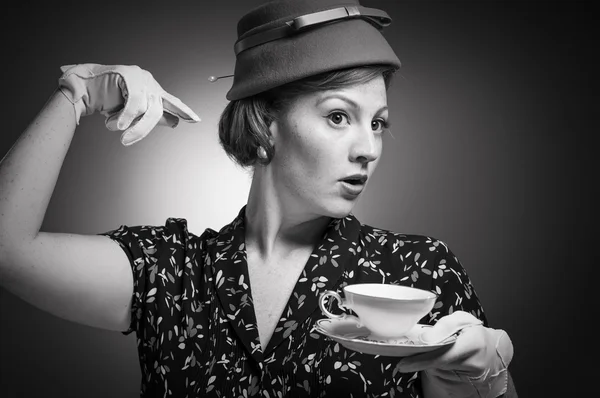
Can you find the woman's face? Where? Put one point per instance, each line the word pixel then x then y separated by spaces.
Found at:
pixel 327 145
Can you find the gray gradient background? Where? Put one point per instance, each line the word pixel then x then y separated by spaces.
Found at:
pixel 492 118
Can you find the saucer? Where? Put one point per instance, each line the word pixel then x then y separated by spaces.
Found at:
pixel 351 335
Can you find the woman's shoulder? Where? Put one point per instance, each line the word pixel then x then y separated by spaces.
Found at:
pixel 402 242
pixel 174 232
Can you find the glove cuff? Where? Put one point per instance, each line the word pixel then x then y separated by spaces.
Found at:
pixel 492 383
pixel 74 89
pixel 77 105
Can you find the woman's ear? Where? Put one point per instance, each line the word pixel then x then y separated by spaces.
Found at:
pixel 274 132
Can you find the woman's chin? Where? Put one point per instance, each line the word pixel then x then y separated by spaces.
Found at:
pixel 339 210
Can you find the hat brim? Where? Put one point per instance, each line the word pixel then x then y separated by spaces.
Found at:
pixel 329 47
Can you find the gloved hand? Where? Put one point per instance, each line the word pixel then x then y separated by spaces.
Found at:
pixel 127 95
pixel 475 365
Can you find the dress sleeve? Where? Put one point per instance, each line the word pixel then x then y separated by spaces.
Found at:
pixel 453 286
pixel 156 255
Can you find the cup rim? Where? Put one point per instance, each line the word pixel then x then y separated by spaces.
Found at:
pixel 428 297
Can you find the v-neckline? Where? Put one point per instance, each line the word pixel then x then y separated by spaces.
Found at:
pixel 321 272
pixel 280 286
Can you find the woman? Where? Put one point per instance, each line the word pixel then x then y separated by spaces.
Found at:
pixel 231 313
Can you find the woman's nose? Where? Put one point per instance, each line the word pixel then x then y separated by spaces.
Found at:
pixel 366 147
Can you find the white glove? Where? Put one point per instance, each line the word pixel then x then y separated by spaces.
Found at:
pixel 475 365
pixel 127 95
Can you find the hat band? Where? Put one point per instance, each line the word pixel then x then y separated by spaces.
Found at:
pixel 378 17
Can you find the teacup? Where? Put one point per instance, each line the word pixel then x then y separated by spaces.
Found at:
pixel 388 311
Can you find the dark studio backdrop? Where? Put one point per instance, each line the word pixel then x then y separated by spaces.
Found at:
pixel 492 118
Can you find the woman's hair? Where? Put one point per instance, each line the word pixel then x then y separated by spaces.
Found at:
pixel 244 123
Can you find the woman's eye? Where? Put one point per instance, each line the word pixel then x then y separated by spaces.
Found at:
pixel 338 118
pixel 379 125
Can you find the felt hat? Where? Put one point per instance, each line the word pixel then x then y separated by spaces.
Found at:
pixel 286 40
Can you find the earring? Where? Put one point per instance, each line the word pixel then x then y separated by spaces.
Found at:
pixel 261 152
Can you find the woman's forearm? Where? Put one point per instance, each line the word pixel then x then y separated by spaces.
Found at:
pixel 30 169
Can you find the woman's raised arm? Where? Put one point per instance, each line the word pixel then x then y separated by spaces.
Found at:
pixel 83 278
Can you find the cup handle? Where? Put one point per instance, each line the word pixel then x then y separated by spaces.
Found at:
pixel 324 297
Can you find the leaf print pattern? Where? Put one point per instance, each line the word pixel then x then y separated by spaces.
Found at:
pixel 194 319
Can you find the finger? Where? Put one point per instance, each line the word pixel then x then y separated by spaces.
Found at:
pixel 136 103
pixel 176 107
pixel 449 325
pixel 145 124
pixel 168 120
pixel 431 359
pixel 111 121
pixel 456 356
pixel 65 68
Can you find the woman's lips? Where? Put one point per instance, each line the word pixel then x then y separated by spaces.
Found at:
pixel 352 189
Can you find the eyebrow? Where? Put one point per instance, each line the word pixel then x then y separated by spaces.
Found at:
pixel 347 100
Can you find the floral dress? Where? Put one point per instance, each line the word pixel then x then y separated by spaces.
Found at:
pixel 195 324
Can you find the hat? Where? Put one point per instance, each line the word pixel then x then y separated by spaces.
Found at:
pixel 286 40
